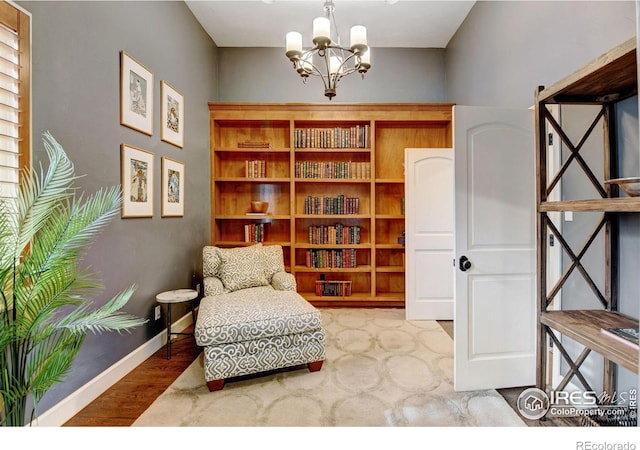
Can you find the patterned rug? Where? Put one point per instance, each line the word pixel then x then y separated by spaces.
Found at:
pixel 381 370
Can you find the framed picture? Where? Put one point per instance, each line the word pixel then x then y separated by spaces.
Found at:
pixel 171 115
pixel 136 95
pixel 172 188
pixel 137 182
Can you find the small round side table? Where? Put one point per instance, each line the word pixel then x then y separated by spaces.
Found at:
pixel 177 296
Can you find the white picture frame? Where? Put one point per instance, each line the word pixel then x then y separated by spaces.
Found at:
pixel 137 182
pixel 173 182
pixel 171 115
pixel 136 95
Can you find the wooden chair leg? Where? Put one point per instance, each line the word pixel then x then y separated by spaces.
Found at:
pixel 215 385
pixel 315 366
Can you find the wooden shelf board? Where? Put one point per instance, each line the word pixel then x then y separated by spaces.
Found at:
pixel 253 217
pixel 584 326
pixel 304 269
pixel 391 296
pixel 333 180
pixel 332 150
pixel 390 180
pixel 252 180
pixel 610 77
pixel 333 246
pixel 246 244
pixel 390 246
pixel 622 204
pixel 354 301
pixel 390 269
pixel 332 216
pixel 390 216
pixel 252 150
pixel 311 296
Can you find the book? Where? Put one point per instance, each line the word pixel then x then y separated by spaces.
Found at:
pixel 626 335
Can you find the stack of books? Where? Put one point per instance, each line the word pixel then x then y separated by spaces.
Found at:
pixel 333 288
pixel 248 144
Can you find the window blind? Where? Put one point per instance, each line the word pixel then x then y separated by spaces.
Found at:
pixel 9 112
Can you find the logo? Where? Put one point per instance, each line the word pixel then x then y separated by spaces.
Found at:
pixel 533 403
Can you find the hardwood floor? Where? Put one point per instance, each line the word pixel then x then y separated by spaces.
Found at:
pixel 125 401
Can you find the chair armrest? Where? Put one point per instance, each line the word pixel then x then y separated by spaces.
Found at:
pixel 213 286
pixel 283 281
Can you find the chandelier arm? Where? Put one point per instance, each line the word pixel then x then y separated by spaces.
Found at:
pixel 352 56
pixel 314 69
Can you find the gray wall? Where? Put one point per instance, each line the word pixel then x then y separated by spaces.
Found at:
pixel 76 75
pixel 504 50
pixel 501 54
pixel 396 75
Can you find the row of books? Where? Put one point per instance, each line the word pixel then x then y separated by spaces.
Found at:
pixel 338 258
pixel 256 169
pixel 254 232
pixel 332 205
pixel 334 234
pixel 333 169
pixel 333 288
pixel 338 137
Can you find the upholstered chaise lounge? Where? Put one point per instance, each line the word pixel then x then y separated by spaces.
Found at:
pixel 251 318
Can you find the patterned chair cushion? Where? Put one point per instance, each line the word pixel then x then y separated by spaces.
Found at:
pixel 213 286
pixel 260 312
pixel 273 259
pixel 283 281
pixel 211 261
pixel 243 267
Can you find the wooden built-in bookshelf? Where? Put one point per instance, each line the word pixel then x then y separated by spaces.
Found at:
pixel 322 151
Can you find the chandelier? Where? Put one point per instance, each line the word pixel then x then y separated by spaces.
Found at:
pixel 328 59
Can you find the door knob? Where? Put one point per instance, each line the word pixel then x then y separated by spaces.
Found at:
pixel 465 264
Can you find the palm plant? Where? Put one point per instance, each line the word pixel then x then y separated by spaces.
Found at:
pixel 45 313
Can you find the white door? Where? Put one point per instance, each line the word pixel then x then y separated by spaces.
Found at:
pixel 429 233
pixel 495 312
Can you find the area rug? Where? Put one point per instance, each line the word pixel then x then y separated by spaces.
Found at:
pixel 380 370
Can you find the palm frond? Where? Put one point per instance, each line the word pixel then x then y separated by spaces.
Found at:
pixel 106 318
pixel 45 312
pixel 40 193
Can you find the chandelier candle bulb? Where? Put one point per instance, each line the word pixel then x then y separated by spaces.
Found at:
pixel 294 44
pixel 358 38
pixel 321 32
pixel 365 62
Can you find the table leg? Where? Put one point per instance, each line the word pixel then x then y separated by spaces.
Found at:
pixel 169 331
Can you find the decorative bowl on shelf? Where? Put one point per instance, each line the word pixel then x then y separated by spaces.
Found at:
pixel 259 206
pixel 630 186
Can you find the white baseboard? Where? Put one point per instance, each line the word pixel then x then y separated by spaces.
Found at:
pixel 60 413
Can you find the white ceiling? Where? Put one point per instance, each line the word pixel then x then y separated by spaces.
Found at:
pixel 390 23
